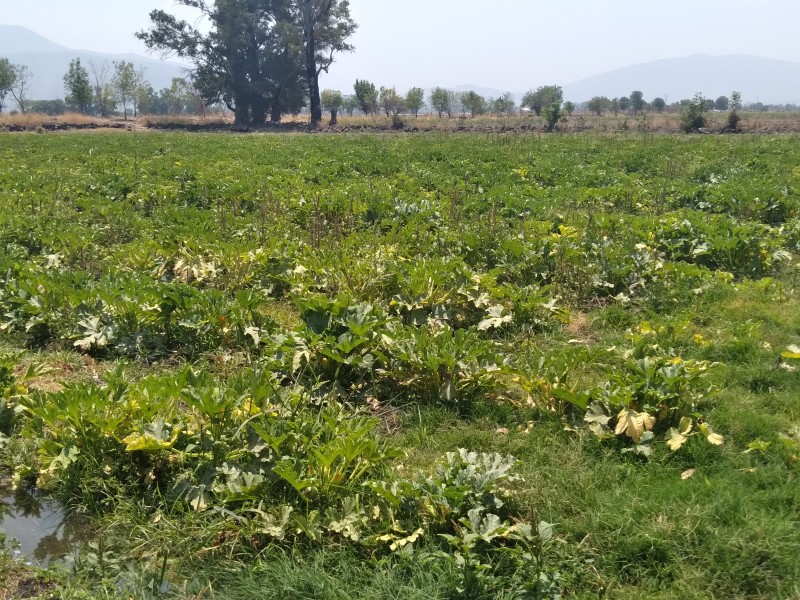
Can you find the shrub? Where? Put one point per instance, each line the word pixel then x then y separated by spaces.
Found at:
pixel 694 115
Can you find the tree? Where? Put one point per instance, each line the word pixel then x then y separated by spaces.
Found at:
pixel 659 104
pixel 553 115
pixel 332 101
pixel 543 96
pixel 139 84
pixel 441 101
pixel 569 108
pixel 258 57
pixel 415 100
pixel 7 76
pixel 505 105
pixel 722 103
pixel 19 87
pixel 103 93
pixel 615 106
pixel 599 105
pixel 391 102
pixel 367 96
pixel 175 96
pixel 350 104
pixel 736 101
pixel 77 85
pixel 124 83
pixel 733 116
pixel 474 103
pixel 624 103
pixel 694 114
pixel 637 101
pixel 326 27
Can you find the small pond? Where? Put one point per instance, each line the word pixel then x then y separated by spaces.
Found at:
pixel 37 527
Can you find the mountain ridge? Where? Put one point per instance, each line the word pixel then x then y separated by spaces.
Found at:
pixel 48 61
pixel 772 81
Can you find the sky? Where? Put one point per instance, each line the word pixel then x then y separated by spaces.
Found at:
pixel 503 44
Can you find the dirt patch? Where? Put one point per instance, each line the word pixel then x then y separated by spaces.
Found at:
pixel 59 371
pixel 20 581
pixel 579 329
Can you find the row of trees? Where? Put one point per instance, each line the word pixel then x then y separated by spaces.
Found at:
pixel 102 89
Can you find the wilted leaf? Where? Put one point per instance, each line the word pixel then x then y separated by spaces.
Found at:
pixel 675 439
pixel 688 474
pixel 634 424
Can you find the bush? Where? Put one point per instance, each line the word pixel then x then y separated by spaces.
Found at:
pixel 694 115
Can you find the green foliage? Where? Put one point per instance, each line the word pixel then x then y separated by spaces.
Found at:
pixel 653 397
pixel 637 101
pixel 391 102
pixel 77 85
pixel 553 115
pixel 367 96
pixel 445 365
pixel 306 334
pixel 504 105
pixel 7 77
pixel 542 97
pixel 693 117
pixel 474 103
pixel 599 105
pixel 125 81
pixel 415 100
pixel 441 101
pixel 259 59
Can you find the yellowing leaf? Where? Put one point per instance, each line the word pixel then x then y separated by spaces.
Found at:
pixel 675 439
pixel 716 439
pixel 687 474
pixel 792 352
pixel 145 442
pixel 634 424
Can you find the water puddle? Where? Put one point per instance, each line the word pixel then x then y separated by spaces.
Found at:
pixel 37 528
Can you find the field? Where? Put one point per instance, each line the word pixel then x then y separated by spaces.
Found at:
pixel 404 366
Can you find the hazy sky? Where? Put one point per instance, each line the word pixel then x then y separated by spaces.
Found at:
pixel 504 44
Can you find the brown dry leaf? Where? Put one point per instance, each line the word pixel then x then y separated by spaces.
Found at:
pixel 634 424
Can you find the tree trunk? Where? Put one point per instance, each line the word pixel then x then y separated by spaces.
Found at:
pixel 334 116
pixel 241 118
pixel 309 14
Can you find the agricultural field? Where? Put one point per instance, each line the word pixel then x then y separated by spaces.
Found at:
pixel 403 366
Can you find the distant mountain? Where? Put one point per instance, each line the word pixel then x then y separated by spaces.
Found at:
pixel 49 61
pixel 758 79
pixel 18 40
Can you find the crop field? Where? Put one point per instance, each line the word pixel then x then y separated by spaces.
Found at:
pixel 403 366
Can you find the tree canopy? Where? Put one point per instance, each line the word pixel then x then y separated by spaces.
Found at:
pixel 541 97
pixel 77 85
pixel 260 57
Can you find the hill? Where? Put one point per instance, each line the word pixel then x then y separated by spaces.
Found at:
pixel 49 61
pixel 758 79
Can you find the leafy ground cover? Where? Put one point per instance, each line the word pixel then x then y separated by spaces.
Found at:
pixel 422 366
